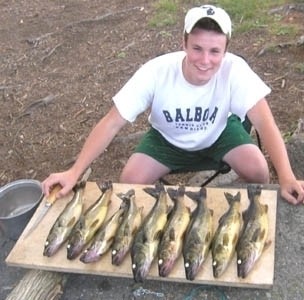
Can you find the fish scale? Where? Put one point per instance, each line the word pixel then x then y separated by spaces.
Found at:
pixel 226 235
pixel 89 222
pixel 253 239
pixel 198 235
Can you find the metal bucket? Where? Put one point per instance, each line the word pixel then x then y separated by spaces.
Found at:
pixel 18 202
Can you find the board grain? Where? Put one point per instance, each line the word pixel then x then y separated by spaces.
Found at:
pixel 28 250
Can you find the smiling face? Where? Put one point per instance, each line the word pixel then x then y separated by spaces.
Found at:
pixel 205 50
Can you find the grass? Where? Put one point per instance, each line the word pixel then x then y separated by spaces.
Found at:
pixel 166 11
pixel 246 15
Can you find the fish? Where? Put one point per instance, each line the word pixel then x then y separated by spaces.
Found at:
pixel 89 222
pixel 104 238
pixel 226 235
pixel 171 244
pixel 253 239
pixel 65 222
pixel 124 237
pixel 146 240
pixel 199 234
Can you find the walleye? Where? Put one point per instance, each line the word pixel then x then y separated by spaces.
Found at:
pixel 198 235
pixel 89 222
pixel 171 244
pixel 226 235
pixel 104 238
pixel 146 241
pixel 63 225
pixel 252 241
pixel 125 234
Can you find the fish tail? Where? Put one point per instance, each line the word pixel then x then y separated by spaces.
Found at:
pixel 104 186
pixel 155 191
pixel 79 185
pixel 231 199
pixel 253 191
pixel 200 195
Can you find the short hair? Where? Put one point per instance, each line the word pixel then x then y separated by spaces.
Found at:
pixel 206 24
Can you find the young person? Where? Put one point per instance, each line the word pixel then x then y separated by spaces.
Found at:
pixel 198 99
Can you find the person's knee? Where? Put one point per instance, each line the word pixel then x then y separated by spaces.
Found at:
pixel 256 172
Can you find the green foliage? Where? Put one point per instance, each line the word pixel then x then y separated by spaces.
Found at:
pixel 246 15
pixel 165 13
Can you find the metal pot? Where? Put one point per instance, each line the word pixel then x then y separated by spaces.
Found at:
pixel 18 202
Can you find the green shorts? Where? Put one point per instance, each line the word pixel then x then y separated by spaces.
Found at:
pixel 156 146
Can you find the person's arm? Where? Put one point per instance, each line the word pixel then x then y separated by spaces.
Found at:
pixel 262 119
pixel 97 141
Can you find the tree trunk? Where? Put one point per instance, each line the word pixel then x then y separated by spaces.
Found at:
pixel 39 285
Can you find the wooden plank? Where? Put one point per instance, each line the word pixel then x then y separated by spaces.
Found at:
pixel 28 250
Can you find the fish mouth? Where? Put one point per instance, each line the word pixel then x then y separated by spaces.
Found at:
pixel 191 270
pixel 73 251
pixel 89 257
pixel 118 257
pixel 165 267
pixel 50 251
pixel 140 270
pixel 245 265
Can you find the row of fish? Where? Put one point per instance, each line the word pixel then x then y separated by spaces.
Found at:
pixel 165 233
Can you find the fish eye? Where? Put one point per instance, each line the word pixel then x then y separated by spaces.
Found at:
pixel 114 252
pixel 134 266
pixel 46 243
pixel 160 262
pixel 239 261
pixel 214 263
pixel 68 246
pixel 187 265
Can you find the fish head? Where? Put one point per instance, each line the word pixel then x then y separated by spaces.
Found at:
pixel 192 264
pixel 141 263
pixel 75 246
pixel 52 244
pixel 219 266
pixel 246 258
pixel 90 255
pixel 118 254
pixel 166 259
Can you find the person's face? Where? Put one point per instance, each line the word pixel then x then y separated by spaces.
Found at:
pixel 204 53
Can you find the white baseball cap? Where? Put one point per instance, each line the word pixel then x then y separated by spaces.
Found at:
pixel 208 11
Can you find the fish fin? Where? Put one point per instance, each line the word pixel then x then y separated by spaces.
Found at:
pixel 266 245
pixel 172 234
pixel 231 199
pixel 106 185
pixel 258 235
pixel 219 248
pixel 79 185
pixel 126 230
pixel 81 222
pixel 172 193
pixel 208 237
pixel 151 191
pixel 158 235
pixel 253 191
pixel 265 208
pixel 235 239
pixel 95 223
pixel 196 238
pixel 71 222
pixel 225 239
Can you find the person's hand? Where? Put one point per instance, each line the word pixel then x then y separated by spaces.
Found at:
pixel 293 191
pixel 66 179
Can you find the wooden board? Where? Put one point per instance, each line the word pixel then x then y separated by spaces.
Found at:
pixel 28 250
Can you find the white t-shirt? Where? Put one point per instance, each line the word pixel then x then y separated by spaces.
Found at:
pixel 188 116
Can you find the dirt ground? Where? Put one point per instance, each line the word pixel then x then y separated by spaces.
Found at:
pixel 62 61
